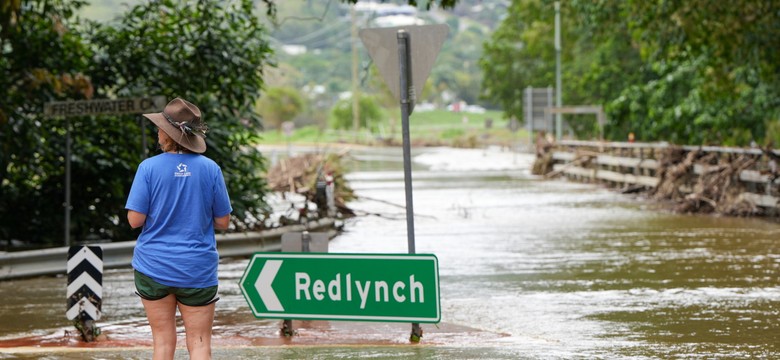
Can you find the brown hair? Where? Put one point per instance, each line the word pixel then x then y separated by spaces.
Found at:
pixel 170 145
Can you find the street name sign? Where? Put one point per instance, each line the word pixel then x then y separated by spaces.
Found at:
pixel 104 106
pixel 354 287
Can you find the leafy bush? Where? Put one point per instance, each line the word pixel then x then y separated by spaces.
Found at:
pixel 370 114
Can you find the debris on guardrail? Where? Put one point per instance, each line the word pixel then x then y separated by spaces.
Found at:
pixel 319 178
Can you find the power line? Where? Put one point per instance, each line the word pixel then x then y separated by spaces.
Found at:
pixel 327 7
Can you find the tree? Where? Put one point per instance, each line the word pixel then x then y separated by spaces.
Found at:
pixel 206 51
pixel 459 64
pixel 718 61
pixel 370 113
pixel 42 58
pixel 518 55
pixel 280 104
pixel 691 72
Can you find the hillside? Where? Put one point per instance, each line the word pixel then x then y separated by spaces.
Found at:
pixel 312 45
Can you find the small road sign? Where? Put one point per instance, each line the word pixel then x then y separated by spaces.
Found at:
pixel 104 106
pixel 382 46
pixel 357 287
pixel 85 282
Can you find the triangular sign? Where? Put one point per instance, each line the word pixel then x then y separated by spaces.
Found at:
pixel 425 42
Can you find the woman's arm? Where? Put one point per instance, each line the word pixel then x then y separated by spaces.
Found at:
pixel 135 218
pixel 222 223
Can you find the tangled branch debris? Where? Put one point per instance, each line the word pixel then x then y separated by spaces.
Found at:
pixel 716 188
pixel 675 168
pixel 726 182
pixel 303 173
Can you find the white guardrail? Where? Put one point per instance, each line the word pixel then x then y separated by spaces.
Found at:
pixel 53 261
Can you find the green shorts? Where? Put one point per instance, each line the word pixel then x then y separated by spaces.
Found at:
pixel 148 289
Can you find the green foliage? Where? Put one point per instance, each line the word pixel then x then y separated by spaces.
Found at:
pixel 370 114
pixel 320 27
pixel 457 67
pixel 329 67
pixel 205 51
pixel 686 71
pixel 518 55
pixel 278 105
pixel 41 59
pixel 773 132
pixel 712 73
pixel 211 53
pixel 430 128
pixel 452 133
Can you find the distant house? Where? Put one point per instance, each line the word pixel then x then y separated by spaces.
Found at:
pixel 388 15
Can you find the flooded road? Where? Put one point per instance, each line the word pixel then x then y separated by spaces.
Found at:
pixel 529 268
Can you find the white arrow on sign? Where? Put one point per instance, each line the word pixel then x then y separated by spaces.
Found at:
pixel 85 254
pixel 83 305
pixel 85 279
pixel 263 285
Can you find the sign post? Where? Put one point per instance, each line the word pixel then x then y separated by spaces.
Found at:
pixel 535 117
pixel 302 242
pixel 424 42
pixel 85 289
pixel 354 287
pixel 67 109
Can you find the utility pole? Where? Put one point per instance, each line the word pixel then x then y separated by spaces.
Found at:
pixel 355 85
pixel 558 96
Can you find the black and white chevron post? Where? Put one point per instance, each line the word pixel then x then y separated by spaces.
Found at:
pixel 85 283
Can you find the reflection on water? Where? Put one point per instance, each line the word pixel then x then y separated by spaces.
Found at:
pixel 546 269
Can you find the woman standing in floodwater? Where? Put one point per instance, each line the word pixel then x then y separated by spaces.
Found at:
pixel 180 198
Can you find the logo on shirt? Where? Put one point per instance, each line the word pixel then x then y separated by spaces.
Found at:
pixel 181 170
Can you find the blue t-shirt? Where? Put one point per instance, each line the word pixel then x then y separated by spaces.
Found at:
pixel 180 194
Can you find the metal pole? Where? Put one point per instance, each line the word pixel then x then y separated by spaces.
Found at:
pixel 547 114
pixel 144 150
pixel 287 324
pixel 67 182
pixel 403 57
pixel 355 65
pixel 558 99
pixel 513 127
pixel 404 60
pixel 529 118
pixel 305 242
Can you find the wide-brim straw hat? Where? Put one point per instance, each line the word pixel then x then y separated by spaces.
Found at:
pixel 181 121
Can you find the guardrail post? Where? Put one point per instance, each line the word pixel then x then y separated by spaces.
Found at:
pixel 304 242
pixel 287 326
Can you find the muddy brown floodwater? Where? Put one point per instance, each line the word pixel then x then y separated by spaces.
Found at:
pixel 529 268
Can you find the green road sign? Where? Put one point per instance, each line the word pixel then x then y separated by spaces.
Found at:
pixel 358 287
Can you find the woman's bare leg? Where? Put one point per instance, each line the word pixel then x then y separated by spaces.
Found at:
pixel 198 321
pixel 162 318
